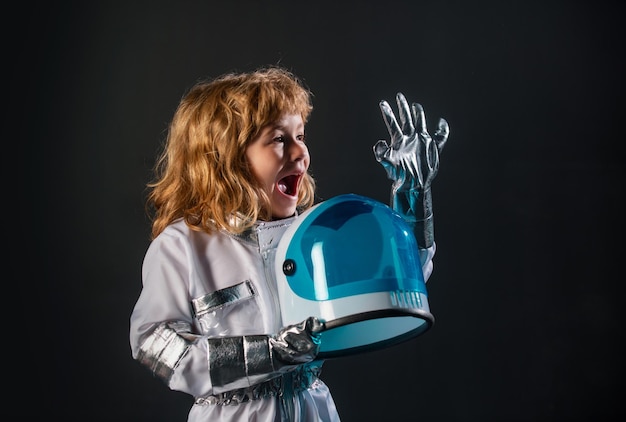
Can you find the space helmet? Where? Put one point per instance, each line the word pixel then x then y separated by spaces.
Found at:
pixel 352 262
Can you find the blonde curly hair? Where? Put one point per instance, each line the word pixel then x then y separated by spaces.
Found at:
pixel 202 174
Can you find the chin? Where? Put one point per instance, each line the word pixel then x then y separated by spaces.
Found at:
pixel 284 210
pixel 283 214
pixel 283 206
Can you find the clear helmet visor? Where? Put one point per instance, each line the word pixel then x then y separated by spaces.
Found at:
pixel 353 262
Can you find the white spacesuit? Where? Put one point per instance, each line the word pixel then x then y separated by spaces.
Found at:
pixel 198 288
pixel 208 319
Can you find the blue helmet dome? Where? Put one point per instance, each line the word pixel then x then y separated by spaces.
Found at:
pixel 353 262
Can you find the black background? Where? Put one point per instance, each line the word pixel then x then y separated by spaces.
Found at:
pixel 528 287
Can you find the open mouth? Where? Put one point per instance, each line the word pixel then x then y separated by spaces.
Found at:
pixel 289 185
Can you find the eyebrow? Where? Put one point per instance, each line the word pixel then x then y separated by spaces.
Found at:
pixel 279 126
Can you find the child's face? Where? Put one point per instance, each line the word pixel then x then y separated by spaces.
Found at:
pixel 279 159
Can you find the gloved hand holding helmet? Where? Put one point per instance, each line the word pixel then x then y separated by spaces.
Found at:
pixel 242 361
pixel 297 343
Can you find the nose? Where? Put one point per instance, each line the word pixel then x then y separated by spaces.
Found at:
pixel 298 151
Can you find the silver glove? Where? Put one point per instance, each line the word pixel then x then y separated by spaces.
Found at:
pixel 298 343
pixel 239 362
pixel 411 161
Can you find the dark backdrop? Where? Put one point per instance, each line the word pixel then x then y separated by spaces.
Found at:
pixel 528 289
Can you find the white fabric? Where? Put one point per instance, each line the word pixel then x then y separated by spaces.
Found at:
pixel 181 265
pixel 426 259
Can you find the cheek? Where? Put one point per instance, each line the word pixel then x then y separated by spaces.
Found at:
pixel 255 164
pixel 264 174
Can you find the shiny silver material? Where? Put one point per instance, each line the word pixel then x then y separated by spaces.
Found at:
pixel 411 160
pixel 162 350
pixel 300 379
pixel 298 343
pixel 222 297
pixel 239 362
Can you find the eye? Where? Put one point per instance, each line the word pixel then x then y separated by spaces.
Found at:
pixel 301 138
pixel 280 139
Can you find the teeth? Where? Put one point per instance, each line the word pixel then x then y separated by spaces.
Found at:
pixel 282 187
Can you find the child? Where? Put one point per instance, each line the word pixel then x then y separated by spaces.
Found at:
pixel 233 175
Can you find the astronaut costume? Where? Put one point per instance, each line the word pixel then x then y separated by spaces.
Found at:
pixel 199 287
pixel 208 319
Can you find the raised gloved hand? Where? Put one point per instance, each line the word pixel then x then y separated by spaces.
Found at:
pixel 411 160
pixel 239 362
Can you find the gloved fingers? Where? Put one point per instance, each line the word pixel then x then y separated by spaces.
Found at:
pixel 314 325
pixel 420 119
pixel 405 115
pixel 442 133
pixel 392 124
pixel 303 329
pixel 380 150
pixel 384 155
pixel 298 343
pixel 432 158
